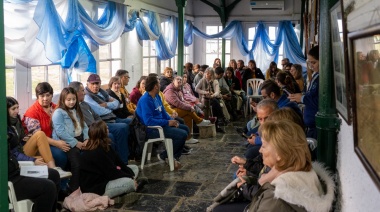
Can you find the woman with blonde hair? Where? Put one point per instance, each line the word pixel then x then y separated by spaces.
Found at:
pixel 166 78
pixel 293 183
pixel 296 71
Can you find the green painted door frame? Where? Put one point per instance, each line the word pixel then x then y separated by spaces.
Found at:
pixel 327 120
pixel 181 4
pixel 3 122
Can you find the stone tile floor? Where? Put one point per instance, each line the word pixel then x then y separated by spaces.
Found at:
pixel 204 173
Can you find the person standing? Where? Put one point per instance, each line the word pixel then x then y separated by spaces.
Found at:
pixel 310 98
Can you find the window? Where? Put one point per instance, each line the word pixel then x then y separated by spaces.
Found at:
pixel 251 36
pixel 149 57
pixel 272 33
pixel 214 46
pixel 272 36
pixel 109 60
pixel 10 68
pixel 174 61
pixel 49 73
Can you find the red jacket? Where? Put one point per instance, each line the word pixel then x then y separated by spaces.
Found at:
pixel 37 112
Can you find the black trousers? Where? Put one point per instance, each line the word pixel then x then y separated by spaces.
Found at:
pixel 73 157
pixel 43 192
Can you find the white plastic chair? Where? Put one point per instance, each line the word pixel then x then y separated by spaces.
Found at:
pixel 18 206
pixel 148 147
pixel 254 84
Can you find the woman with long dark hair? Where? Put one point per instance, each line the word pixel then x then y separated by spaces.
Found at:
pixel 69 126
pixel 101 169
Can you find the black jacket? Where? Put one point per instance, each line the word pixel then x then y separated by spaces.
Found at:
pixel 98 167
pixel 120 112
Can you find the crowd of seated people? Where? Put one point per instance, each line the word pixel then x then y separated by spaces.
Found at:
pixel 176 103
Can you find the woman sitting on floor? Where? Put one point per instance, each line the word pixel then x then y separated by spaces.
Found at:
pixel 101 169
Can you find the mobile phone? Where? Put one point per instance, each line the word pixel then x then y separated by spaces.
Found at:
pixel 286 91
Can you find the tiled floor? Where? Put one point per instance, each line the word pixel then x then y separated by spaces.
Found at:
pixel 204 173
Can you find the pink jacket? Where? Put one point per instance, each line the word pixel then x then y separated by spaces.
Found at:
pixel 174 97
pixel 78 201
pixel 188 94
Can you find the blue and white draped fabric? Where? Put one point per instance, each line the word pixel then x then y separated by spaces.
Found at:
pixel 292 48
pixel 188 33
pixel 53 31
pixel 149 29
pixel 166 45
pixel 108 28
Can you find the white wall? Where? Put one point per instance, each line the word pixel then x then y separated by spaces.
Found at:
pixel 359 193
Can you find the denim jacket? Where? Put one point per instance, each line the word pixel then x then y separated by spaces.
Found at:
pixel 63 127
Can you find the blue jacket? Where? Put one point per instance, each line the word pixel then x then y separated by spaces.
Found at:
pixel 283 101
pixel 151 111
pixel 310 99
pixel 63 127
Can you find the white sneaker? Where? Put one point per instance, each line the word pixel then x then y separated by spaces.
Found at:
pixel 63 174
pixel 192 141
pixel 204 123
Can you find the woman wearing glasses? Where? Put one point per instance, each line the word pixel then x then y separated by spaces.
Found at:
pixel 310 98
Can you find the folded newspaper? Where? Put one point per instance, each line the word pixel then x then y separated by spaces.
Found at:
pixel 34 171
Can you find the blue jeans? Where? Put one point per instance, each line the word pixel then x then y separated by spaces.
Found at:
pixel 121 185
pixel 59 156
pixel 178 135
pixel 120 132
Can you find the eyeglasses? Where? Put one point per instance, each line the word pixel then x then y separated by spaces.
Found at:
pixel 261 119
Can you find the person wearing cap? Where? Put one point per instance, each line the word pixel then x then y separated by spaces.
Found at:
pixel 103 104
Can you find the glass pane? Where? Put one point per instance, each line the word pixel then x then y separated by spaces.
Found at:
pixel 145 66
pixel 281 49
pixel 145 48
pixel 211 46
pixel 279 60
pixel 210 59
pixel 152 48
pixel 104 52
pixel 228 58
pixel 228 46
pixel 116 65
pixel 10 85
pixel 54 77
pixel 272 33
pixel 83 78
pixel 251 33
pixel 250 44
pixel 153 65
pixel 165 63
pixel 211 30
pixel 116 48
pixel 38 75
pixel 9 60
pixel 104 71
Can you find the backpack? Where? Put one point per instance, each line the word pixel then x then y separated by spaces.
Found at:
pixel 137 138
